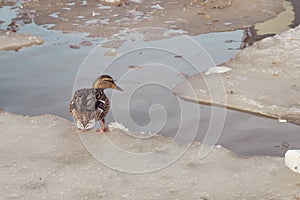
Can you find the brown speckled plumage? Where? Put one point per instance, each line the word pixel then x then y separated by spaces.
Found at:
pixel 90 105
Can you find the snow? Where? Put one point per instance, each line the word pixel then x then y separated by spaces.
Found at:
pixel 264 79
pixel 292 160
pixel 158 7
pixel 112 1
pixel 137 1
pixel 115 125
pixel 43 157
pixel 11 40
pixel 217 70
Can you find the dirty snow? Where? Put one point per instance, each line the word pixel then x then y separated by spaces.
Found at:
pixel 12 41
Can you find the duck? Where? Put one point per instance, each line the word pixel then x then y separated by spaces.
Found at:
pixel 90 105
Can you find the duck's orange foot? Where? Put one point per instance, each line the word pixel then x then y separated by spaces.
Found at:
pixel 102 130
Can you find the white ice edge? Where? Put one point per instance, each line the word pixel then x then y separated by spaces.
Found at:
pixel 217 70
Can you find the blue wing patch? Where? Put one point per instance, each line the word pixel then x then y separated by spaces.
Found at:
pixel 99 105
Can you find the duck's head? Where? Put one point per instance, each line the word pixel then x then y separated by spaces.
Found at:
pixel 105 81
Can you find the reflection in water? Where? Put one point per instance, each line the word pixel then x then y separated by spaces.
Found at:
pixel 251 36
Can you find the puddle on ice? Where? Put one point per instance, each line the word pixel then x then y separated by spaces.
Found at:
pixel 285 20
pixel 278 24
pixel 83 3
pixel 47 72
pixel 6 15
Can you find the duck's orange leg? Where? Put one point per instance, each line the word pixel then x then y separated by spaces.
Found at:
pixel 103 128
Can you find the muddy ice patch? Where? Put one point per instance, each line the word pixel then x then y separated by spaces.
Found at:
pixel 105 18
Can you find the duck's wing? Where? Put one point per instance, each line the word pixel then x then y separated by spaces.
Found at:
pixel 100 105
pixel 82 108
pixel 83 101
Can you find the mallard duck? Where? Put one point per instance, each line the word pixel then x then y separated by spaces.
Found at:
pixel 90 105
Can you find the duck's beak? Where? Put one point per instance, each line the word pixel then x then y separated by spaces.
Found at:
pixel 117 88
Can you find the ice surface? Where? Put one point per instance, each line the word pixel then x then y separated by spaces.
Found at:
pixel 265 79
pixel 11 40
pixel 42 157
